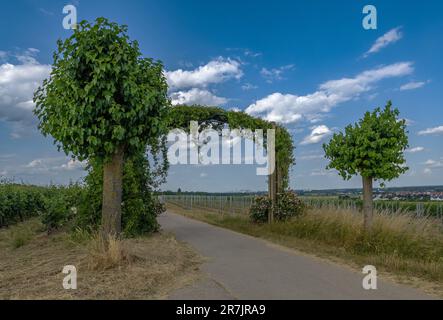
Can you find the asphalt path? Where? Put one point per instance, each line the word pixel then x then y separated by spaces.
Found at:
pixel 238 266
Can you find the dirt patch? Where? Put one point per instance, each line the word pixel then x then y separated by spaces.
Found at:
pixel 159 264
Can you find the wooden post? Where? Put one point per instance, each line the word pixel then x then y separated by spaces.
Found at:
pixel 272 182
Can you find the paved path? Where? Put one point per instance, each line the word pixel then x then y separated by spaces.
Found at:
pixel 242 267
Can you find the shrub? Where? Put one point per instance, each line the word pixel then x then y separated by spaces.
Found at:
pixel 61 205
pixel 288 206
pixel 260 209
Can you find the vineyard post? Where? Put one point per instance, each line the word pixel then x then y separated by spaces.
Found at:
pixel 272 181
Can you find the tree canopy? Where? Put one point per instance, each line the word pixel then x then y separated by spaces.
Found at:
pixel 373 147
pixel 102 94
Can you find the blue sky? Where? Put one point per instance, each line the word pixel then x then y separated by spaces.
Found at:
pixel 308 64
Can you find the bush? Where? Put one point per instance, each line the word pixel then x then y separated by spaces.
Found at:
pixel 288 206
pixel 61 203
pixel 140 207
pixel 260 209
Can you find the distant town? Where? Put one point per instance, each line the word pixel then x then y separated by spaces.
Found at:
pixel 420 193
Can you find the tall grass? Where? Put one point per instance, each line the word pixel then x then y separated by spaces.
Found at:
pixel 107 254
pixel 401 235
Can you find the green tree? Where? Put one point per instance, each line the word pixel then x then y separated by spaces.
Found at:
pixel 104 102
pixel 372 148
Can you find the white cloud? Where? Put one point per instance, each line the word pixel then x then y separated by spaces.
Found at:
pixel 434 163
pixel 54 164
pixel 389 37
pixel 197 96
pixel 415 150
pixel 27 56
pixel 436 130
pixel 216 71
pixel 246 52
pixel 203 175
pixel 288 108
pixel 248 86
pixel 412 85
pixel 275 73
pixel 17 86
pixel 317 134
pixel 427 171
pixel 35 163
pixel 73 164
pixel 252 54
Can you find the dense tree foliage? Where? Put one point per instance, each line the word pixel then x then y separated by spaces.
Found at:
pixel 103 102
pixel 372 148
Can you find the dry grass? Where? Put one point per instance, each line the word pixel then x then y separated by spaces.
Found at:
pixel 142 268
pixel 404 248
pixel 105 255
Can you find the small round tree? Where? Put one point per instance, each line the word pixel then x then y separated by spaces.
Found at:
pixel 103 101
pixel 372 148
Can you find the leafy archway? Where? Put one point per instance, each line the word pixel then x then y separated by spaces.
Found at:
pixel 216 118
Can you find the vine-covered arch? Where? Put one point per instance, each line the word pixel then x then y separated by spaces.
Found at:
pixel 217 118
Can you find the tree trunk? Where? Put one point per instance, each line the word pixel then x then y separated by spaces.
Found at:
pixel 367 203
pixel 112 195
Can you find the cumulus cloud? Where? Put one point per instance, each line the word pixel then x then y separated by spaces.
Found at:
pixel 54 164
pixel 289 108
pixel 197 96
pixel 389 37
pixel 318 134
pixel 17 85
pixel 415 150
pixel 73 164
pixel 57 168
pixel 215 71
pixel 275 73
pixel 429 131
pixel 412 85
